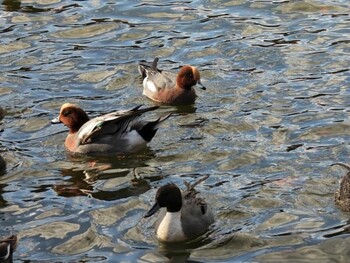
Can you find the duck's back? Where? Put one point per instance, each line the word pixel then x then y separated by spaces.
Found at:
pixel 116 132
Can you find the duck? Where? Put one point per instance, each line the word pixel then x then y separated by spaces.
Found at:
pixel 118 132
pixel 7 246
pixel 2 165
pixel 342 196
pixel 168 88
pixel 186 216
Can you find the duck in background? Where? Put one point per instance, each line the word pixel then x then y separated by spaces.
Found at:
pixel 119 132
pixel 2 165
pixel 186 216
pixel 342 196
pixel 170 88
pixel 7 246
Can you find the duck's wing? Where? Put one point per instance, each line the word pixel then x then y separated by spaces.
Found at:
pixel 7 246
pixel 196 204
pixel 114 123
pixel 196 214
pixel 158 78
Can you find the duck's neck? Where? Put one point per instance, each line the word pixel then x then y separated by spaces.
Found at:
pixel 78 120
pixel 170 228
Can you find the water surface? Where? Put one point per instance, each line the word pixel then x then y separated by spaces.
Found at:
pixel 273 119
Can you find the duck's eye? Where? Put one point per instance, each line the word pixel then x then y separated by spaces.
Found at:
pixel 190 75
pixel 65 113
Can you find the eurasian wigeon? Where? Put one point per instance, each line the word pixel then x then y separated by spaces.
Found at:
pixel 186 217
pixel 342 196
pixel 7 246
pixel 116 132
pixel 170 88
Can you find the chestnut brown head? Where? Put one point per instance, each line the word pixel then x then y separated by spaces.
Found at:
pixel 188 77
pixel 72 116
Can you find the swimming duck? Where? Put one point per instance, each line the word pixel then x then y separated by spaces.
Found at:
pixel 342 196
pixel 2 165
pixel 186 216
pixel 7 246
pixel 170 88
pixel 116 132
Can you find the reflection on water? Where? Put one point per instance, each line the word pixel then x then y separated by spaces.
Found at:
pixel 273 119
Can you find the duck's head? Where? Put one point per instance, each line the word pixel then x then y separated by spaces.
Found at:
pixel 188 77
pixel 72 116
pixel 168 196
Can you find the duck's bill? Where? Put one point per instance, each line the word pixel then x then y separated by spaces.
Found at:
pixel 153 210
pixel 55 120
pixel 200 85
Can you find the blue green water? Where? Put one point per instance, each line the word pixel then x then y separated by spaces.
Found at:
pixel 273 119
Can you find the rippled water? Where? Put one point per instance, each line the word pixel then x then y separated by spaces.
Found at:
pixel 273 119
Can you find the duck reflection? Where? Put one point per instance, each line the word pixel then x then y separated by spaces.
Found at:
pixel 180 252
pixel 178 256
pixel 181 110
pixel 104 178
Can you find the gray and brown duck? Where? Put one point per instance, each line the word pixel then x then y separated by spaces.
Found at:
pixel 342 196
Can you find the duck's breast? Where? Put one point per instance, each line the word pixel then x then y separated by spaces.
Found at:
pixel 170 228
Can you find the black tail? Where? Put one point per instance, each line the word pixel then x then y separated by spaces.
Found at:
pixel 154 64
pixel 143 67
pixel 137 109
pixel 148 131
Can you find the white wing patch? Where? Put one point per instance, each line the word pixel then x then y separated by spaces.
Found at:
pixel 149 85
